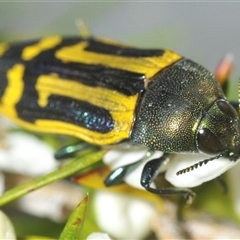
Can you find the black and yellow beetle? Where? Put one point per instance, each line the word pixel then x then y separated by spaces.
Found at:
pixel 105 93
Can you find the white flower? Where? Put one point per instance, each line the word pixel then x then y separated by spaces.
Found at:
pixel 123 217
pixel 124 154
pixel 6 227
pixel 52 201
pixel 98 236
pixel 26 154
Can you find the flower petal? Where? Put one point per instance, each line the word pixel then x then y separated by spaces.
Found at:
pixel 123 217
pixel 6 227
pixel 98 236
pixel 26 154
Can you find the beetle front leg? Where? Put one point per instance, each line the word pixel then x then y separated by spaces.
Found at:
pixel 117 176
pixel 150 172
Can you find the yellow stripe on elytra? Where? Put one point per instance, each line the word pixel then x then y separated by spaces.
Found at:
pixel 34 50
pixel 3 48
pixel 13 91
pixel 148 66
pixel 58 127
pixel 120 107
pixel 111 100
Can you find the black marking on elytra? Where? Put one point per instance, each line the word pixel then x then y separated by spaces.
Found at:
pixel 15 50
pixel 3 82
pixel 68 110
pixel 126 82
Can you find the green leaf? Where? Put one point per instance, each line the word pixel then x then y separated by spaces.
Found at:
pixel 73 227
pixel 69 169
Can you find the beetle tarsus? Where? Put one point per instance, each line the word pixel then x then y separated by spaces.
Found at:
pixel 151 170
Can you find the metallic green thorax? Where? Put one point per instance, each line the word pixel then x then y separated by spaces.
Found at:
pixel 173 107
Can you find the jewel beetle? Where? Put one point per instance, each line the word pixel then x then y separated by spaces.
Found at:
pixel 106 93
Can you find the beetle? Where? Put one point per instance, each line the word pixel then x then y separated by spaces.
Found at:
pixel 105 93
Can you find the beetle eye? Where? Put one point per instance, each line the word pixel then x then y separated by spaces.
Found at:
pixel 226 108
pixel 207 142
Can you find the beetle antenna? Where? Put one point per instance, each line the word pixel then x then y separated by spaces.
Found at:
pixel 199 164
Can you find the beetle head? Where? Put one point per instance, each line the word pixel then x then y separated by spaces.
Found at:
pixel 219 131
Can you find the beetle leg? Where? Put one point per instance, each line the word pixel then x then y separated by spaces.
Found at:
pixel 70 151
pixel 117 176
pixel 150 172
